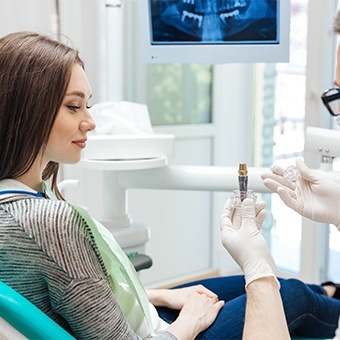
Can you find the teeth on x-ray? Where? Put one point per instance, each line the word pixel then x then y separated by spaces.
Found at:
pixel 195 17
pixel 211 20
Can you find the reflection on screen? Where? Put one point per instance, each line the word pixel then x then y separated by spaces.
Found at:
pixel 214 21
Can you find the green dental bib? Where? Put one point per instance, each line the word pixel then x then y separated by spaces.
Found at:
pixel 128 290
pixel 125 282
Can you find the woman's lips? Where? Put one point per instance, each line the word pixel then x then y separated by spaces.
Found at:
pixel 80 143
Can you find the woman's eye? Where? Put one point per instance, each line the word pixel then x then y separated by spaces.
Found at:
pixel 88 106
pixel 73 108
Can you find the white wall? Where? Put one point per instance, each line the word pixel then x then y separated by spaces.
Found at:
pixel 38 15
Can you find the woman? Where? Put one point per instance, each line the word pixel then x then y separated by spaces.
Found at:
pixel 57 256
pixel 54 262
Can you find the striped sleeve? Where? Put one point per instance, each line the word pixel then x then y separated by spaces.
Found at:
pixel 47 256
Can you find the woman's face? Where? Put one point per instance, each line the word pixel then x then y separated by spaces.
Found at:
pixel 73 122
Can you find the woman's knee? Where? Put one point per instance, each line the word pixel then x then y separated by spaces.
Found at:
pixel 294 290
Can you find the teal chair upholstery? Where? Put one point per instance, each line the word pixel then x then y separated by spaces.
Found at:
pixel 26 318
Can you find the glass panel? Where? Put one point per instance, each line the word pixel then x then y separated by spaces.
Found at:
pixel 334 254
pixel 289 136
pixel 179 93
pixel 333 273
pixel 333 270
pixel 335 105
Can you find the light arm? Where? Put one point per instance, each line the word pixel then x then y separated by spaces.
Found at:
pixel 265 318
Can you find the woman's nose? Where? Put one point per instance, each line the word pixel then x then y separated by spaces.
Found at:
pixel 88 124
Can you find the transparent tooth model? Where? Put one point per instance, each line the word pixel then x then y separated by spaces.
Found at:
pixel 238 197
pixel 291 174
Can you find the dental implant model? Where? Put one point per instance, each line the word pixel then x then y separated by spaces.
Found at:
pixel 291 174
pixel 239 195
pixel 243 180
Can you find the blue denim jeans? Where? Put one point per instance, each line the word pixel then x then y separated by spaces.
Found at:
pixel 309 312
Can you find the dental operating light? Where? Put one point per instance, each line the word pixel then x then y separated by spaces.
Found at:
pixel 214 31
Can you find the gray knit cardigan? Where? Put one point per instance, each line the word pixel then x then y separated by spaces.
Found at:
pixel 47 255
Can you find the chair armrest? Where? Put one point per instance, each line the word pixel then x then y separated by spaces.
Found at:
pixel 141 261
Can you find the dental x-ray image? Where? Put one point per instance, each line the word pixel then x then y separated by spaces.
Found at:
pixel 214 21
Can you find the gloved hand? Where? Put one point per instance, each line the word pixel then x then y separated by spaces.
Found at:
pixel 245 242
pixel 313 195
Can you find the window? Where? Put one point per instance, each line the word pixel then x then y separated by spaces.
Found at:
pixel 179 93
pixel 287 107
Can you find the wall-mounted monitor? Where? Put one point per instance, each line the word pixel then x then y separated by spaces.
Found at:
pixel 215 31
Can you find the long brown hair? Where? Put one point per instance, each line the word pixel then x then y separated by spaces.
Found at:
pixel 34 74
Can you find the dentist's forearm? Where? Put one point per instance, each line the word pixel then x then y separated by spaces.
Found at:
pixel 265 318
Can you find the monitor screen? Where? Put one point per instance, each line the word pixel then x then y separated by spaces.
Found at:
pixel 215 31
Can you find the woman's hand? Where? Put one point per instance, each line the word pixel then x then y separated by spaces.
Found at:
pixel 176 298
pixel 197 314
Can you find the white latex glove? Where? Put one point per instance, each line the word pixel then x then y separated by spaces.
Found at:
pixel 313 195
pixel 245 242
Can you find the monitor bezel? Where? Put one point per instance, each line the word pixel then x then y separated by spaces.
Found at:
pixel 207 53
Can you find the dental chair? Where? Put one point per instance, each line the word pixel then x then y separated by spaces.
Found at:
pixel 20 319
pixel 140 261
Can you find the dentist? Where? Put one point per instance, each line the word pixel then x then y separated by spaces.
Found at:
pixel 314 195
